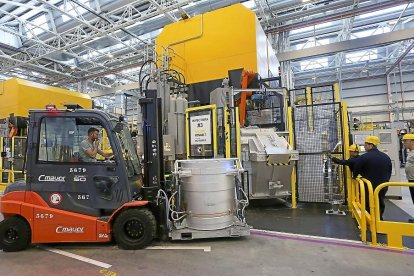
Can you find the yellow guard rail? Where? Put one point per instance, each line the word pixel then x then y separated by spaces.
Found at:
pixel 393 229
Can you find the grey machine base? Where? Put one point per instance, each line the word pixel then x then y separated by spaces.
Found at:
pixel 190 234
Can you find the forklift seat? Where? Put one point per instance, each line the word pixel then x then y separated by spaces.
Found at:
pixel 75 157
pixel 16 186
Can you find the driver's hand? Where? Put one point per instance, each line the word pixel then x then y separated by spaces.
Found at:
pixel 110 158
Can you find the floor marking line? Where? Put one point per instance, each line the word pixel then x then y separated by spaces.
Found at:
pixel 76 257
pixel 165 247
pixel 307 236
pixel 328 241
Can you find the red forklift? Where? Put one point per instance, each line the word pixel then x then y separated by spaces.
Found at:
pixel 67 199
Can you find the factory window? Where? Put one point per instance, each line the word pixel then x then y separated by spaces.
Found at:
pixel 72 9
pixel 64 140
pixel 383 11
pixel 314 64
pixel 359 56
pixel 311 28
pixel 312 42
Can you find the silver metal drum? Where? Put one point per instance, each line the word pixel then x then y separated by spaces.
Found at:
pixel 208 193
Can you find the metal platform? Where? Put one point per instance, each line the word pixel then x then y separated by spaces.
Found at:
pixel 237 230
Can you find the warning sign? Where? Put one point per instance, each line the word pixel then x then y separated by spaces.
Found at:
pixel 200 127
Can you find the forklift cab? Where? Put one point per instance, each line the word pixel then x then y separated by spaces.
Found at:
pixel 56 171
pixel 68 199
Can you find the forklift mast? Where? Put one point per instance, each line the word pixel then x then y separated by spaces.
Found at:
pixel 153 153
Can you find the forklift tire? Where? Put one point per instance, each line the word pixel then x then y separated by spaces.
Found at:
pixel 15 234
pixel 134 228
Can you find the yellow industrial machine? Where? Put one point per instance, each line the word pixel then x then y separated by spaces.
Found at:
pixel 206 47
pixel 17 97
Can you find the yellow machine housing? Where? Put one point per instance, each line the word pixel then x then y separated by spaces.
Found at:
pixel 18 96
pixel 205 47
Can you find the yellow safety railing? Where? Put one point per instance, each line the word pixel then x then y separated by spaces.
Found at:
pixel 393 229
pixel 9 170
pixel 364 218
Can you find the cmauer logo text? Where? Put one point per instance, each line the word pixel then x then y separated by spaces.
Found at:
pixel 69 230
pixel 51 178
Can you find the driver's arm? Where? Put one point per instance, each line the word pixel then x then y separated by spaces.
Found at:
pixel 88 151
pixel 91 152
pixel 104 154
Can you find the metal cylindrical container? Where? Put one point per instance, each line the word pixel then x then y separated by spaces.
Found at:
pixel 208 195
pixel 173 107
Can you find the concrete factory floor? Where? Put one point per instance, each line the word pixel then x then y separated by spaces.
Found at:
pixel 263 253
pixel 319 244
pixel 259 254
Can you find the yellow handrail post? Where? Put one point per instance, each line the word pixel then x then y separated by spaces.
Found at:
pixel 372 211
pixel 363 213
pixel 226 115
pixel 238 139
pixel 12 163
pixel 345 135
pixel 358 202
pixel 291 137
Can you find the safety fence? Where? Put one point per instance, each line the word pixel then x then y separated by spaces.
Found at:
pixel 319 123
pixel 370 219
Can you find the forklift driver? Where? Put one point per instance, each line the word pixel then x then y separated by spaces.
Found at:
pixel 89 147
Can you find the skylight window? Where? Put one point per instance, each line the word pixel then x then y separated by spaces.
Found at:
pixel 41 20
pixel 37 26
pixel 249 4
pixel 29 14
pixel 314 64
pixel 72 9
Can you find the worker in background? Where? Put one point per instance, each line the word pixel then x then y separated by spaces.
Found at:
pixel 375 166
pixel 12 130
pixel 402 153
pixel 408 141
pixel 90 147
pixel 354 154
pixel 356 124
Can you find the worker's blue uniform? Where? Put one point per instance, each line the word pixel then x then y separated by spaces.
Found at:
pixel 376 167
